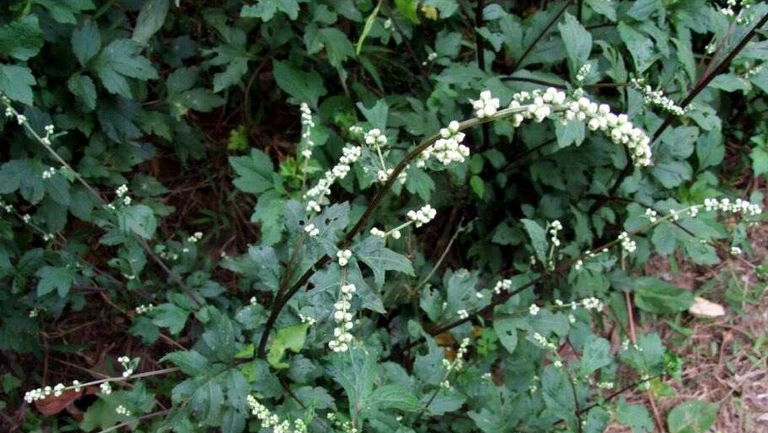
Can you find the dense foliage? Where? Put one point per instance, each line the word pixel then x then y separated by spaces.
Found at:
pixel 339 215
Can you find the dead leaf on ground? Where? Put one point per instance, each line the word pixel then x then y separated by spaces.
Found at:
pixel 52 405
pixel 706 309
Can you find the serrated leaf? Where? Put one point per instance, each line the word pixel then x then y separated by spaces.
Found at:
pixel 266 9
pixel 506 330
pixel 634 416
pixel 538 239
pixel 86 42
pixel 254 172
pixel 138 219
pixel 170 316
pixel 119 60
pixel 380 259
pixel 84 90
pixel 392 397
pixel 656 296
pixel 692 417
pixel 577 40
pixel 291 338
pixel 191 362
pixel 21 38
pixel 16 83
pixel 52 278
pixel 597 354
pixel 150 20
pixel 304 86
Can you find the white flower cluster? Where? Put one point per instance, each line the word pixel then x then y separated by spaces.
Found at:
pixel 143 309
pixel 486 105
pixel 307 123
pixel 424 215
pixel 605 385
pixel 48 173
pixel 6 206
pixel 48 134
pixel 533 309
pixel 311 230
pixel 627 243
pixel 455 365
pixel 502 285
pixel 583 72
pixel 10 112
pixel 42 393
pixel 34 313
pixel 736 251
pixel 127 365
pixel 554 104
pixel 657 98
pixel 555 227
pixel 48 237
pixel 343 319
pixel 122 410
pixel 317 193
pixel 463 314
pixel 544 342
pixel 738 206
pixel 448 148
pixel 651 214
pixel 375 138
pixel 195 238
pixel 272 421
pixel 343 256
pixel 307 319
pixel 26 218
pixel 106 388
pixel 742 17
pixel 122 192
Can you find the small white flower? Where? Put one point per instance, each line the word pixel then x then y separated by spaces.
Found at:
pixel 311 230
pixel 106 388
pixel 533 309
pixel 343 256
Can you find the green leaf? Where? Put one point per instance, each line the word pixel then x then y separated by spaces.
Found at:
pixel 639 46
pixel 304 86
pixel 577 40
pixel 408 9
pixel 337 46
pixel 254 172
pixel 392 397
pixel 121 59
pixel 538 238
pixel 66 11
pixel 191 362
pixel 54 278
pixel 380 259
pixel 24 175
pixel 138 219
pixel 477 185
pixel 506 330
pixel 86 42
pixel 634 416
pixel 84 90
pixel 16 83
pixel 21 38
pixel 266 9
pixel 597 354
pixel 170 316
pixel 376 115
pixel 759 161
pixel 656 296
pixel 290 338
pixel 604 8
pixel 269 213
pixel 692 417
pixel 150 20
